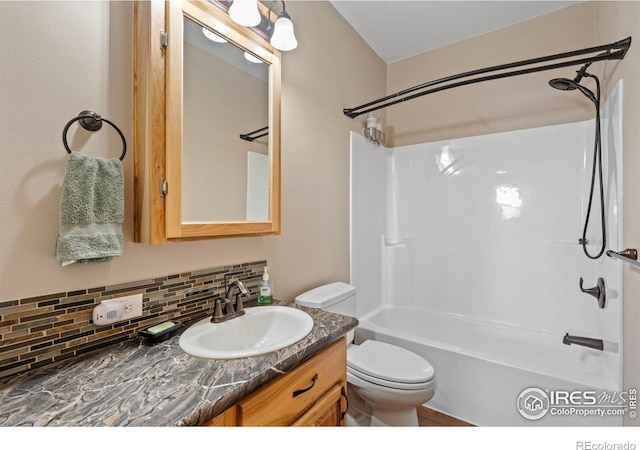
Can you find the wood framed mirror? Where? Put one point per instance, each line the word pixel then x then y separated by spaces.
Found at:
pixel 206 125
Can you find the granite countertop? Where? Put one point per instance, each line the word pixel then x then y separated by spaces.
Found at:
pixel 131 384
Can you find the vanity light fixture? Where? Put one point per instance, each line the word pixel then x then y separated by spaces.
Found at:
pixel 245 13
pixel 282 36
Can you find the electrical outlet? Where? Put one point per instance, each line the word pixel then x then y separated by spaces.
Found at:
pixel 118 309
pixel 132 306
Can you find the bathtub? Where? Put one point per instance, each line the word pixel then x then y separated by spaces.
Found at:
pixel 483 367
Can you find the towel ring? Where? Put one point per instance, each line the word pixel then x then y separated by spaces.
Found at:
pixel 92 121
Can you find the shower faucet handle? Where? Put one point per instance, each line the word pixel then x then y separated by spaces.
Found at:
pixel 599 291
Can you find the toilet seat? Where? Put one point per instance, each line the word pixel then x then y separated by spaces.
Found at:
pixel 390 366
pixel 386 383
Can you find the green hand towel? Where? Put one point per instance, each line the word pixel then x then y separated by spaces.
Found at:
pixel 91 210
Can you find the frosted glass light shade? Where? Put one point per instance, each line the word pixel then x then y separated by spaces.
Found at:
pixel 283 38
pixel 245 12
pixel 212 36
pixel 249 57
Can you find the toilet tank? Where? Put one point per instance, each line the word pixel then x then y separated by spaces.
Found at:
pixel 334 297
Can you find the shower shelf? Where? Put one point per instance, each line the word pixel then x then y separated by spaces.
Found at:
pixel 629 256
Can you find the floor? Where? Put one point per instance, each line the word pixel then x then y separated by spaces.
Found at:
pixel 428 417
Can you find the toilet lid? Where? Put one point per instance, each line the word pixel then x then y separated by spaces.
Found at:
pixel 388 362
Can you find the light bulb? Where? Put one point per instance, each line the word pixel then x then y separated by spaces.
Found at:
pixel 283 37
pixel 212 36
pixel 245 12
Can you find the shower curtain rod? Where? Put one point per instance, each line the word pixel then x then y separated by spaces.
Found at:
pixel 620 48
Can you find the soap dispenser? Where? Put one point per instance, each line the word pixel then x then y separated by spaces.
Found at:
pixel 266 289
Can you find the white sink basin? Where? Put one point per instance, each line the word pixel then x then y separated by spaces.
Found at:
pixel 261 330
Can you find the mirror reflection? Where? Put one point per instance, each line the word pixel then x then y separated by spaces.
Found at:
pixel 225 95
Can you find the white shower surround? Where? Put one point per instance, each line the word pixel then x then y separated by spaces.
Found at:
pixel 478 271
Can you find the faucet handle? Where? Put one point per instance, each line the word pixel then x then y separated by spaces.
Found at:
pixel 598 291
pixel 239 303
pixel 239 296
pixel 217 310
pixel 229 309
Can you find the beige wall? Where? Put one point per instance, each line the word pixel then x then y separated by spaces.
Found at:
pixel 500 105
pixel 50 73
pixel 527 101
pixel 332 68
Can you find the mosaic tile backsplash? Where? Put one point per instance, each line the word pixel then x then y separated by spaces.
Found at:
pixel 41 330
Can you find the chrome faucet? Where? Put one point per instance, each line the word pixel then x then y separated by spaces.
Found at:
pixel 227 308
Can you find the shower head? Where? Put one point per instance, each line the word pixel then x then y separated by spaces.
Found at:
pixel 563 84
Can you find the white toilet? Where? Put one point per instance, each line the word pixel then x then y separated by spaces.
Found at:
pixel 385 382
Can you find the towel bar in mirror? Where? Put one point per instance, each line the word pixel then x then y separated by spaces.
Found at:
pixel 196 90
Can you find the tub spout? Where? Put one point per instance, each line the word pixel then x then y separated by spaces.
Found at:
pixel 584 341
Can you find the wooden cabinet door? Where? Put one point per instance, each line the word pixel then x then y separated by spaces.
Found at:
pixel 290 396
pixel 328 411
pixel 312 394
pixel 226 419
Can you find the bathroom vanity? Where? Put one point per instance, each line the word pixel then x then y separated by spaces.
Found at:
pixel 130 384
pixel 312 394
